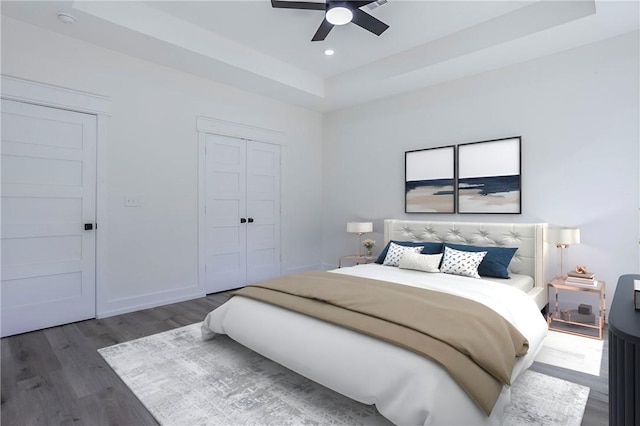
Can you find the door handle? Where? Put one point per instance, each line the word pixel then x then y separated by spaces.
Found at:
pixel 250 220
pixel 243 220
pixel 88 226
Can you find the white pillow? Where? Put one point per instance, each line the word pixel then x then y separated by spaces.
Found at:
pixel 420 262
pixel 463 263
pixel 395 253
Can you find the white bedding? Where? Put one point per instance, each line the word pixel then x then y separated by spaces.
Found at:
pixel 522 282
pixel 407 388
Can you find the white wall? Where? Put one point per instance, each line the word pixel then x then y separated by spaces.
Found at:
pixel 152 154
pixel 577 113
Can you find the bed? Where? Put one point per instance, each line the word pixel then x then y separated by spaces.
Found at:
pixel 406 387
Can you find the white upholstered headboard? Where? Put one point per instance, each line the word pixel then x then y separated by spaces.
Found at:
pixel 530 259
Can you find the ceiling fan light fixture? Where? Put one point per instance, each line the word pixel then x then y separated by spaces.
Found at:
pixel 339 15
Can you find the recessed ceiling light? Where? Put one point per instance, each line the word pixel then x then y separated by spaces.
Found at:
pixel 66 18
pixel 329 52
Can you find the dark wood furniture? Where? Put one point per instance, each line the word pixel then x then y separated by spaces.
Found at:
pixel 624 355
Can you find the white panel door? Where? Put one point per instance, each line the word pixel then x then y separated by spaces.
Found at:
pixel 242 212
pixel 263 211
pixel 226 235
pixel 48 194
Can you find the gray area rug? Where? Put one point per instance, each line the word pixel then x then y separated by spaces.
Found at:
pixel 183 380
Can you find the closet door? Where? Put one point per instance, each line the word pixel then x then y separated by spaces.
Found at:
pixel 48 195
pixel 242 212
pixel 263 211
pixel 226 232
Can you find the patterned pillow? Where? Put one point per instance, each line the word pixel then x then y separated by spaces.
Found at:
pixel 429 248
pixel 420 262
pixel 495 263
pixel 395 253
pixel 463 263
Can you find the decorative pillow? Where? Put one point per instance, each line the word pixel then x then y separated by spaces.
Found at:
pixel 420 262
pixel 495 263
pixel 395 252
pixel 429 248
pixel 463 263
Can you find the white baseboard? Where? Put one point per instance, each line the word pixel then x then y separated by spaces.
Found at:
pixel 301 269
pixel 138 303
pixel 328 267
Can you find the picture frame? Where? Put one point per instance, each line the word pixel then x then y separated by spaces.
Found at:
pixel 490 177
pixel 430 180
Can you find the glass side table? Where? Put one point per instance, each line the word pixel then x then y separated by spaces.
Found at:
pixel 356 259
pixel 557 318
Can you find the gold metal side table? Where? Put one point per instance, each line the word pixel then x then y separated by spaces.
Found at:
pixel 555 319
pixel 354 258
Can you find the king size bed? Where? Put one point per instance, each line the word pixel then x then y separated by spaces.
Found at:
pixel 383 342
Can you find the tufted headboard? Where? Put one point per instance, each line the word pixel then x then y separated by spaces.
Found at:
pixel 530 259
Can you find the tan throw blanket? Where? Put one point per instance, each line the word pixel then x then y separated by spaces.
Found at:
pixel 477 346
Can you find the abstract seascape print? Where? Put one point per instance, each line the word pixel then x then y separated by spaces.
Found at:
pixel 489 179
pixel 430 180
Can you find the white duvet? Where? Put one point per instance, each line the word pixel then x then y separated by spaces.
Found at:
pixel 407 388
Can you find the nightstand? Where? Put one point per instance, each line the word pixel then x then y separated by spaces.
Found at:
pixel 356 259
pixel 557 317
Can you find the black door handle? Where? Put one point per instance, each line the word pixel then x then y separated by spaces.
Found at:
pixel 88 226
pixel 243 220
pixel 250 220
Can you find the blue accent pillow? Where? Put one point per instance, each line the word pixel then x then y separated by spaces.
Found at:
pixel 495 263
pixel 429 248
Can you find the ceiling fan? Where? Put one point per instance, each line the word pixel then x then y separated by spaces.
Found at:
pixel 337 13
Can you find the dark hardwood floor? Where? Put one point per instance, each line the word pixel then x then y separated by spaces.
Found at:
pixel 56 377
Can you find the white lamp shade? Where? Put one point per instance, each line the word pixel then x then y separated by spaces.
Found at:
pixel 359 227
pixel 565 236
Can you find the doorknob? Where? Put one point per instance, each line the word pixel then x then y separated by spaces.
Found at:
pixel 250 220
pixel 88 226
pixel 243 220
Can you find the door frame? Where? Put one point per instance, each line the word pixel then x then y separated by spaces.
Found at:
pixel 204 126
pixel 31 92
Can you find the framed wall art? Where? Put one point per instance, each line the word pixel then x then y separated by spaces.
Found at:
pixel 489 177
pixel 429 182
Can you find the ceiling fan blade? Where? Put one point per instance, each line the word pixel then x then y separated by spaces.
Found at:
pixel 368 22
pixel 359 4
pixel 298 5
pixel 323 30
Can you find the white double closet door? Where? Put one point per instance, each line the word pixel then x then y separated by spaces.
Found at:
pixel 242 212
pixel 48 195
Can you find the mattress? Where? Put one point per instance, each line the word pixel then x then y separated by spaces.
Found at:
pixel 521 282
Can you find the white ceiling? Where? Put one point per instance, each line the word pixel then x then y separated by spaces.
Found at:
pixel 250 45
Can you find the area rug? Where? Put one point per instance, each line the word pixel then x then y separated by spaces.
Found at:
pixel 572 352
pixel 183 380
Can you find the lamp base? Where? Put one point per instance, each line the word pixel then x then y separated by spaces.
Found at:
pixel 359 234
pixel 562 248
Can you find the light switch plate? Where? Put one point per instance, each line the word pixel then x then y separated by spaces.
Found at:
pixel 132 201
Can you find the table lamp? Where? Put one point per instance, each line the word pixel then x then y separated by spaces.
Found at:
pixel 359 228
